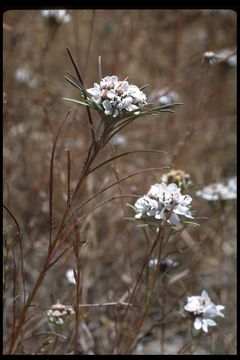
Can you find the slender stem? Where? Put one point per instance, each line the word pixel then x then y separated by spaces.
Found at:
pixel 42 274
pixel 117 182
pixel 19 235
pixel 51 178
pixel 68 178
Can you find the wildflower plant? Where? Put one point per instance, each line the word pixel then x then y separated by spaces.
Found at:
pixel 140 267
pixel 117 103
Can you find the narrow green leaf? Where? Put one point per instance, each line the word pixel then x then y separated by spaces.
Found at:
pixel 77 102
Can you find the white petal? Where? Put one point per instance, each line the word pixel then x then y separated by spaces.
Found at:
pixel 159 215
pixel 125 85
pixel 205 325
pixel 131 107
pixel 95 92
pixel 116 112
pixel 182 210
pixel 107 106
pixel 219 308
pixel 198 323
pixel 114 79
pixel 174 220
pixel 211 322
pixel 204 294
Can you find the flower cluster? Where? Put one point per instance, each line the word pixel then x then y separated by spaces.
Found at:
pixel 59 313
pixel 219 191
pixel 164 201
pixel 117 97
pixel 203 310
pixel 56 16
pixel 179 177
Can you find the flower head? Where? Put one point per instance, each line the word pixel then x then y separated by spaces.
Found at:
pixel 219 191
pixel 56 16
pixel 165 263
pixel 203 310
pixel 179 177
pixel 116 97
pixel 59 313
pixel 226 55
pixel 164 201
pixel 24 76
pixel 163 96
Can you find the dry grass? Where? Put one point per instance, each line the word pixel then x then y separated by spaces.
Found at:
pixel 156 47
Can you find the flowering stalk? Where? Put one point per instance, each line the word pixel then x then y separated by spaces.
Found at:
pixel 118 104
pixel 158 241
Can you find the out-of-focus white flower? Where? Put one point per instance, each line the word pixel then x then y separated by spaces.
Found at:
pixel 163 96
pixel 203 310
pixel 117 97
pixel 59 313
pixel 219 191
pixel 166 262
pixel 70 276
pixel 178 177
pixel 225 55
pixel 162 198
pixel 59 16
pixel 118 140
pixel 232 185
pixel 24 75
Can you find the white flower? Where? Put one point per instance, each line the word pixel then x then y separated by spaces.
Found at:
pixel 219 191
pixel 162 198
pixel 58 313
pixel 24 75
pixel 164 96
pixel 118 140
pixel 117 97
pixel 177 176
pixel 168 262
pixel 204 310
pixel 70 276
pixel 226 55
pixel 60 16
